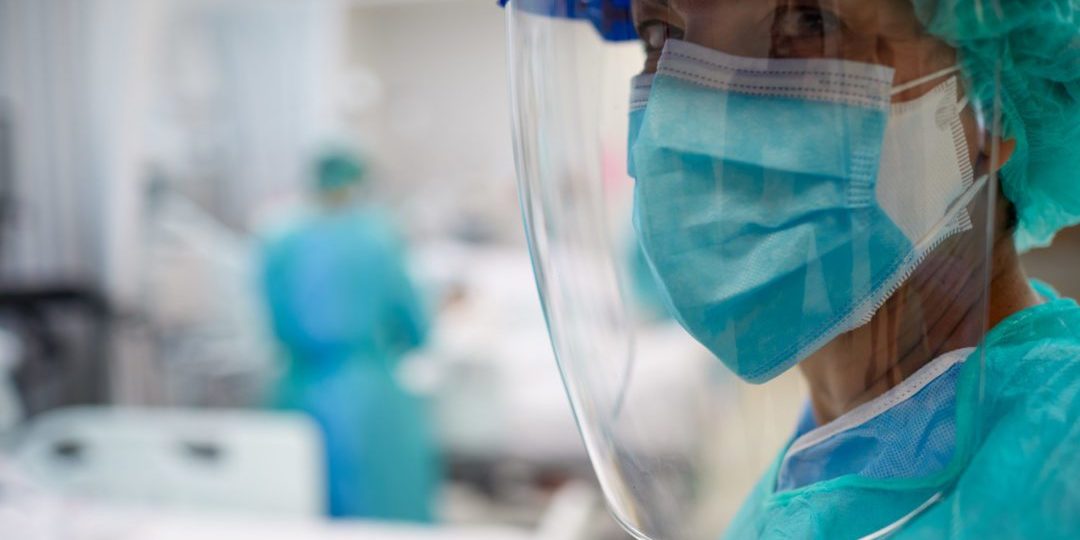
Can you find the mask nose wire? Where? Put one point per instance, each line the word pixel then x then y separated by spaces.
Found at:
pixel 923 80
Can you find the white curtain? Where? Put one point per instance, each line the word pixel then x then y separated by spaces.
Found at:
pixel 94 90
pixel 246 92
pixel 72 89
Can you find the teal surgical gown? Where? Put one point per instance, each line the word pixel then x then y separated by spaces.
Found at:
pixel 344 310
pixel 1015 472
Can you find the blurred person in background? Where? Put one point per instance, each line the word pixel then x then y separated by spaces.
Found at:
pixel 345 312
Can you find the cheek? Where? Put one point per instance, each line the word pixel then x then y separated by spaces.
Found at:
pixel 973 135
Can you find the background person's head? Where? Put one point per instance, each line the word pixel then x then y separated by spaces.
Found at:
pixel 337 175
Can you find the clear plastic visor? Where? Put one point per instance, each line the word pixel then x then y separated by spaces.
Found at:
pixel 761 237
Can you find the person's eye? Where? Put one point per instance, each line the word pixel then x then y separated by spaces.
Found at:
pixel 804 22
pixel 804 32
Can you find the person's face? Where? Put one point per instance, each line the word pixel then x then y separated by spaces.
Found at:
pixel 880 32
pixel 884 32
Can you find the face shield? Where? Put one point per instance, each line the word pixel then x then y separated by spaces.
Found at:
pixel 809 190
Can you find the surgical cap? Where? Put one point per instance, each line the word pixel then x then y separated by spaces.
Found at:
pixel 336 170
pixel 1036 45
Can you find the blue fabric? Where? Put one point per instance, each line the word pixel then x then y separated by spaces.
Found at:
pixel 637 116
pixel 611 18
pixel 344 311
pixel 640 88
pixel 758 215
pixel 647 291
pixel 913 438
pixel 1016 468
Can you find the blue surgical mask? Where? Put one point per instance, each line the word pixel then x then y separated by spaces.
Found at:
pixel 781 202
pixel 639 97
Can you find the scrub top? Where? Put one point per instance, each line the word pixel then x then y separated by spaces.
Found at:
pixel 1014 470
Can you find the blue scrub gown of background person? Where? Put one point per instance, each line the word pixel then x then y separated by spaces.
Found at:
pixel 345 311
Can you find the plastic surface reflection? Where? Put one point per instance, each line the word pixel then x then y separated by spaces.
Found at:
pixel 815 190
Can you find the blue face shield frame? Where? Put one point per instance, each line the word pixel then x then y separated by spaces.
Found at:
pixel 611 18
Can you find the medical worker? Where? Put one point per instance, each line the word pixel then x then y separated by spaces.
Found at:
pixel 835 187
pixel 345 311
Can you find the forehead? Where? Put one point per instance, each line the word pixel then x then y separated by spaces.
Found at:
pixel 877 31
pixel 888 17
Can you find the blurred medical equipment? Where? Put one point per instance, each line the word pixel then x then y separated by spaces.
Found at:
pixel 55 328
pixel 492 288
pixel 7 170
pixel 67 187
pixel 11 408
pixel 208 460
pixel 503 430
pixel 32 510
pixel 62 330
pixel 201 308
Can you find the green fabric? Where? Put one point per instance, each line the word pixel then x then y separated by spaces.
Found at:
pixel 1017 467
pixel 344 311
pixel 1034 45
pixel 336 170
pixel 1045 290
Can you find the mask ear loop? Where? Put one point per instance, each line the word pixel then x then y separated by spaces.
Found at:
pixel 923 80
pixel 963 102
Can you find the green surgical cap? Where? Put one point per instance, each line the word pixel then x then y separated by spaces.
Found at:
pixel 336 170
pixel 1036 45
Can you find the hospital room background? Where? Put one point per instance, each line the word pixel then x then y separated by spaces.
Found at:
pixel 165 168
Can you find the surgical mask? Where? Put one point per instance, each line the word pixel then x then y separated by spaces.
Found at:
pixel 781 202
pixel 639 97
